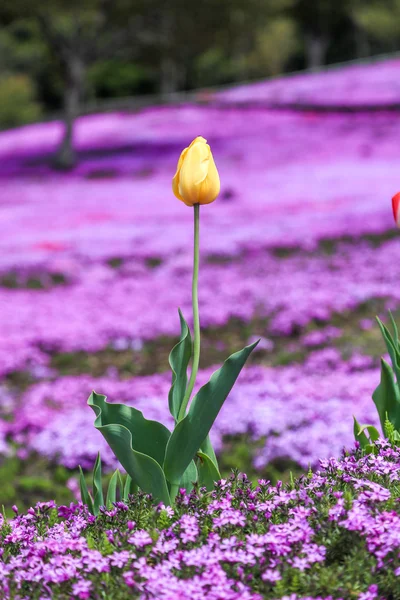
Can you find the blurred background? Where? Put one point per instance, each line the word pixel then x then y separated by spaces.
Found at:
pixel 60 58
pixel 300 102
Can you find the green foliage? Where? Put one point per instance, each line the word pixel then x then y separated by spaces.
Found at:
pixel 192 430
pixel 190 477
pixel 98 499
pixel 274 45
pixel 157 461
pixel 207 470
pixel 117 488
pixel 114 78
pixel 212 68
pixel 366 441
pixel 85 494
pixel 387 395
pixel 179 359
pixel 17 101
pixel 138 444
pixel 391 433
pixel 380 19
pixel 25 482
pixel 207 448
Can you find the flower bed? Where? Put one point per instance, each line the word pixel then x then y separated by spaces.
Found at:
pixel 134 304
pixel 94 262
pixel 331 534
pixel 291 408
pixel 357 85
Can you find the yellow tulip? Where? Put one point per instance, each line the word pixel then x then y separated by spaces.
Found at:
pixel 196 180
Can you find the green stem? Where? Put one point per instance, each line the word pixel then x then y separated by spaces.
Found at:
pixel 196 319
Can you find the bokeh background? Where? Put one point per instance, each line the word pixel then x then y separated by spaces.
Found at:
pixel 300 102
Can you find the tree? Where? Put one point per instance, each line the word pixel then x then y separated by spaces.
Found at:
pixel 175 33
pixel 275 44
pixel 380 20
pixel 274 36
pixel 319 23
pixel 76 34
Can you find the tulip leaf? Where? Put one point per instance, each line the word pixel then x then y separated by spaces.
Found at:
pixel 179 360
pixel 359 435
pixel 372 431
pixel 190 433
pixel 114 484
pixel 148 437
pixel 138 444
pixel 208 473
pixel 395 330
pixel 85 495
pixel 129 488
pixel 387 397
pixel 392 348
pixel 98 499
pixel 207 448
pixel 189 478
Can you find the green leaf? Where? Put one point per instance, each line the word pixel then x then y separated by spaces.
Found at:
pixel 360 435
pixel 391 346
pixel 114 484
pixel 189 478
pixel 395 330
pixel 387 397
pixel 207 448
pixel 373 432
pixel 179 360
pixel 396 436
pixel 85 495
pixel 98 499
pixel 208 473
pixel 127 488
pixel 148 437
pixel 138 444
pixel 190 433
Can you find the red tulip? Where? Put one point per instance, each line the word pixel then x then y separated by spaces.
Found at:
pixel 396 208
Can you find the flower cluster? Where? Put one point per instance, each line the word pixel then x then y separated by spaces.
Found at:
pixel 113 210
pixel 323 536
pixel 141 302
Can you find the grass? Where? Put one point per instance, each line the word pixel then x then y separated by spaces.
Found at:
pixel 220 342
pixel 25 482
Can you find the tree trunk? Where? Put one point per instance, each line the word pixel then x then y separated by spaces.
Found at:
pixel 316 48
pixel 66 156
pixel 170 77
pixel 363 49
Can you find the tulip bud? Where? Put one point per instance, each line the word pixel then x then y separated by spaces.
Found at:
pixel 196 180
pixel 396 206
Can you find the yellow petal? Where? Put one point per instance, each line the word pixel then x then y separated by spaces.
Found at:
pixel 198 139
pixel 194 171
pixel 175 180
pixel 210 187
pixel 196 180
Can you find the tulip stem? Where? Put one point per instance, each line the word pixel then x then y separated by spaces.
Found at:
pixel 196 319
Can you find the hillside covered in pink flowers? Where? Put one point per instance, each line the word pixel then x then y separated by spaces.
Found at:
pixel 299 249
